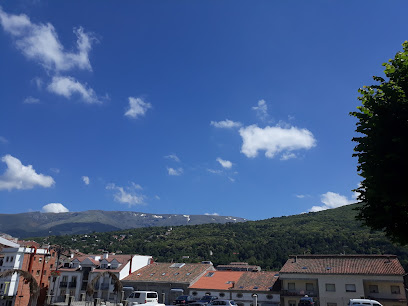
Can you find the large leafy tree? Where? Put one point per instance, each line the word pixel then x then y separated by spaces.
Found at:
pixel 382 150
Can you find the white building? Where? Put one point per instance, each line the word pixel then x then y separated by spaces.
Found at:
pixel 334 279
pixel 245 288
pixel 74 276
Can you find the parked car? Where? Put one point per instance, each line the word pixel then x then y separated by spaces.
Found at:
pixel 207 299
pixel 363 302
pixel 184 300
pixel 223 302
pixel 143 297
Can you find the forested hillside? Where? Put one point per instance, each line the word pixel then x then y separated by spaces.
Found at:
pixel 266 243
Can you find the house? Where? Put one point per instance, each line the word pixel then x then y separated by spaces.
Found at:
pixel 238 266
pixel 169 279
pixel 71 280
pixel 242 287
pixel 334 279
pixel 38 261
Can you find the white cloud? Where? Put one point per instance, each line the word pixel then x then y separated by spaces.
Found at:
pixel 231 179
pixel 3 139
pixel 274 140
pixel 261 109
pixel 175 172
pixel 224 163
pixel 300 196
pixel 128 196
pixel 18 176
pixel 173 157
pixel 54 208
pixel 226 124
pixel 331 200
pixel 31 100
pixel 55 170
pixel 288 155
pixel 213 214
pixel 40 42
pixel 67 86
pixel 214 171
pixel 137 107
pixel 86 180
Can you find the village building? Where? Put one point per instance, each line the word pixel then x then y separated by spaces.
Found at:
pixel 170 280
pixel 245 288
pixel 37 261
pixel 71 280
pixel 334 279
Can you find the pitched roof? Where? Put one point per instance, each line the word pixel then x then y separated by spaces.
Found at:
pixel 257 281
pixel 252 281
pixel 169 272
pixel 343 264
pixel 220 280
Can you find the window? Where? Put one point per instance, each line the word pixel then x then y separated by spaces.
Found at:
pixel 209 274
pixel 222 294
pixel 395 290
pixel 51 266
pixel 45 273
pixel 269 296
pixel 291 286
pixel 40 259
pixel 239 295
pixel 373 288
pixel 350 288
pixel 292 303
pixel 63 292
pixel 331 287
pixel 309 287
pixel 11 259
pixel 194 293
pixel 37 273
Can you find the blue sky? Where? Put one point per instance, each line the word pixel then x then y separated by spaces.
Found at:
pixel 190 107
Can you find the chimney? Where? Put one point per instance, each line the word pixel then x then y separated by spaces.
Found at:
pixel 72 255
pixel 105 255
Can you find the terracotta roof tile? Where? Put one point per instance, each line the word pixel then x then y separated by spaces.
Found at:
pixel 262 281
pixel 167 272
pixel 344 264
pixel 217 280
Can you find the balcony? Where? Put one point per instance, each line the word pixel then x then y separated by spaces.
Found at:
pixel 72 284
pixel 299 293
pixel 63 284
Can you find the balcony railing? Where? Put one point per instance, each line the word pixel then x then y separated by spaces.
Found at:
pixel 311 293
pixel 72 284
pixel 63 284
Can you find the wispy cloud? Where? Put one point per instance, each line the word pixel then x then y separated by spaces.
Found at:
pixel 224 163
pixel 54 208
pixel 261 109
pixel 31 100
pixel 3 140
pixel 331 200
pixel 127 195
pixel 86 180
pixel 18 176
pixel 137 108
pixel 173 157
pixel 174 172
pixel 68 86
pixel 214 171
pixel 226 124
pixel 40 43
pixel 274 140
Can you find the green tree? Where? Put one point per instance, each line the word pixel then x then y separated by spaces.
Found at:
pixel 382 151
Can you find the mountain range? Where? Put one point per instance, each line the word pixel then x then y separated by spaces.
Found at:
pixel 37 224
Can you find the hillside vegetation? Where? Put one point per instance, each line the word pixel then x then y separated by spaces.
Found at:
pixel 266 243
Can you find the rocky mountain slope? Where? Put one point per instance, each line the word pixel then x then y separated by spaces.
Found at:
pixel 35 224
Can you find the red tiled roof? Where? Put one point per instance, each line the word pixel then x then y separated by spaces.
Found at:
pixel 217 280
pixel 257 281
pixel 344 264
pixel 164 272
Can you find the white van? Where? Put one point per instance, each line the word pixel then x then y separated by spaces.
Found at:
pixel 363 302
pixel 143 297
